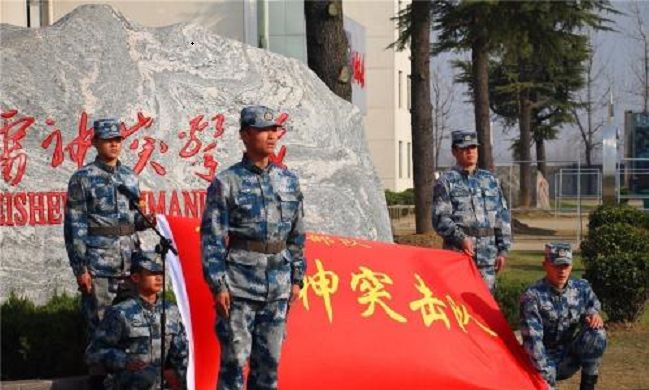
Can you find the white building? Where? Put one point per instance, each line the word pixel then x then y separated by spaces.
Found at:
pixel 279 26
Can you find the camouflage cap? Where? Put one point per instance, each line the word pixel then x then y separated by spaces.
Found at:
pixel 148 260
pixel 107 128
pixel 259 117
pixel 558 253
pixel 464 138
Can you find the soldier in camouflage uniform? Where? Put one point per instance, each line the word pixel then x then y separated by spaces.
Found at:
pixel 100 227
pixel 252 240
pixel 470 211
pixel 560 322
pixel 128 339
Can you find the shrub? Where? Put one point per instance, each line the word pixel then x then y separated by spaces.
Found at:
pixel 616 259
pixel 611 214
pixel 613 239
pixel 406 197
pixel 508 295
pixel 42 341
pixel 621 282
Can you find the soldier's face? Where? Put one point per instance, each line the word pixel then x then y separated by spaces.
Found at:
pixel 557 275
pixel 261 142
pixel 147 282
pixel 466 157
pixel 108 149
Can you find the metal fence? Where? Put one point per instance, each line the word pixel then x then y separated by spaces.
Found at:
pixel 632 182
pixel 560 202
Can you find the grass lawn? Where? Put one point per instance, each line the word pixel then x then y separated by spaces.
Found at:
pixel 626 360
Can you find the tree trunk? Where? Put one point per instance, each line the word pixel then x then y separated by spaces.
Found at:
pixel 327 45
pixel 480 72
pixel 421 121
pixel 541 165
pixel 524 122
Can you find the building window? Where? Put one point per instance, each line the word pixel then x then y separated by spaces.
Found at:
pixel 409 92
pixel 400 87
pixel 400 159
pixel 409 160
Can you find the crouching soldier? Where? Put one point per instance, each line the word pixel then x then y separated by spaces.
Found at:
pixel 560 322
pixel 128 340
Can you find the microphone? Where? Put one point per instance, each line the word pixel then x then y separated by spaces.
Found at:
pixel 129 193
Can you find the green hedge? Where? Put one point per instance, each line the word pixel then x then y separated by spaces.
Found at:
pixel 610 214
pixel 616 258
pixel 508 295
pixel 613 239
pixel 42 341
pixel 406 197
pixel 622 284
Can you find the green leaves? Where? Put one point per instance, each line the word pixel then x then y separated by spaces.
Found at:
pixel 42 341
pixel 616 258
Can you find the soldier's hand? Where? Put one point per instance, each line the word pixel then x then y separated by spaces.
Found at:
pixel 152 219
pixel 84 281
pixel 467 246
pixel 135 365
pixel 295 292
pixel 500 263
pixel 222 302
pixel 594 321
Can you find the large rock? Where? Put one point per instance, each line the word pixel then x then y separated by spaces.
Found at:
pixel 95 61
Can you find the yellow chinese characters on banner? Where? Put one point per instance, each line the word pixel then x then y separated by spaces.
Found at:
pixel 431 307
pixel 372 287
pixel 462 316
pixel 372 284
pixel 329 241
pixel 323 284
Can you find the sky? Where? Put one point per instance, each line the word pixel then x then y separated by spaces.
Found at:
pixel 617 54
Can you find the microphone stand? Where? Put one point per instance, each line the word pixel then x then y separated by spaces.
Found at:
pixel 162 248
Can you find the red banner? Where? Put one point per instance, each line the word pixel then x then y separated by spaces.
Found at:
pixel 371 316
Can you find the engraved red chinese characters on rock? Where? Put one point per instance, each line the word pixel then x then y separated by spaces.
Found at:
pixel 194 144
pixel 13 158
pixel 278 158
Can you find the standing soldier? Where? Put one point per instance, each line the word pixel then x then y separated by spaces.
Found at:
pixel 560 322
pixel 470 211
pixel 128 340
pixel 100 227
pixel 252 239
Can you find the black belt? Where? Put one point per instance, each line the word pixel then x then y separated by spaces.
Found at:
pixel 119 230
pixel 267 247
pixel 478 232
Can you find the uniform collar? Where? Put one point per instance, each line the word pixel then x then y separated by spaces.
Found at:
pixel 105 167
pixel 557 290
pixel 464 171
pixel 249 165
pixel 146 304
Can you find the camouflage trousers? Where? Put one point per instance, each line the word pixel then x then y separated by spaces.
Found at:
pixel 485 258
pixel 104 292
pixel 254 331
pixel 488 274
pixel 585 352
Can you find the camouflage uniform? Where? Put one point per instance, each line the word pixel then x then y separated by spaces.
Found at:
pixel 472 205
pixel 130 331
pixel 100 227
pixel 252 239
pixel 554 333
